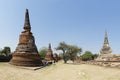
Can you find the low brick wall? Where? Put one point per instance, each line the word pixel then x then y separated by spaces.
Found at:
pixel 115 64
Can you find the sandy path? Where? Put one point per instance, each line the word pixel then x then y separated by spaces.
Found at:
pixel 60 71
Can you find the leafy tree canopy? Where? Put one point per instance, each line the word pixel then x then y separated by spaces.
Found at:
pixel 6 51
pixel 69 51
pixel 43 52
pixel 87 56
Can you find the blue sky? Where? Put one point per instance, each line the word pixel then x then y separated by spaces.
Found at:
pixel 77 22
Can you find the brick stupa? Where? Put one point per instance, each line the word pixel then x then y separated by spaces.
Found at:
pixel 26 53
pixel 49 55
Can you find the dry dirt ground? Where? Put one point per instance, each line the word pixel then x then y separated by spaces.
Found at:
pixel 59 71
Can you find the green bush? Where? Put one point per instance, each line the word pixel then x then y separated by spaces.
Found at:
pixel 87 56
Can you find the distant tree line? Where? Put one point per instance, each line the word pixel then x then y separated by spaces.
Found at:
pixel 42 52
pixel 69 52
pixel 88 56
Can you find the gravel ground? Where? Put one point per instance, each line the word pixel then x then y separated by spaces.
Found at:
pixel 59 71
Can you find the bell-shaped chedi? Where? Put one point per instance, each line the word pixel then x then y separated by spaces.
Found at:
pixel 49 55
pixel 26 53
pixel 106 49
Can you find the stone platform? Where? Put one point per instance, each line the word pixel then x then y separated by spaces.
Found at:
pixel 113 64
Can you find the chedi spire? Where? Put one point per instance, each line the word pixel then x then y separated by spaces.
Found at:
pixel 106 49
pixel 26 53
pixel 106 38
pixel 27 26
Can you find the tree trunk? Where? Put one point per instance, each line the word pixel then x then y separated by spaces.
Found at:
pixel 65 61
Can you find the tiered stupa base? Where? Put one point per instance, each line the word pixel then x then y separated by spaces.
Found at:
pixel 49 58
pixel 28 60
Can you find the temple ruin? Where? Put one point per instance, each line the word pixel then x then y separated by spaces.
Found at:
pixel 49 55
pixel 106 51
pixel 106 58
pixel 26 53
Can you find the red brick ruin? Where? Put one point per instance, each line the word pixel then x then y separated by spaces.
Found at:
pixel 26 53
pixel 49 55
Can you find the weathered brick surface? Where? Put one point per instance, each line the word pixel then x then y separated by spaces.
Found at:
pixel 26 53
pixel 49 55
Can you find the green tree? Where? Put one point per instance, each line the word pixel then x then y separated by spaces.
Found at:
pixel 6 51
pixel 66 57
pixel 0 51
pixel 69 51
pixel 87 56
pixel 95 56
pixel 73 51
pixel 63 47
pixel 43 52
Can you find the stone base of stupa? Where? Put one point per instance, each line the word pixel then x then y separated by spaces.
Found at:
pixel 49 58
pixel 104 57
pixel 24 59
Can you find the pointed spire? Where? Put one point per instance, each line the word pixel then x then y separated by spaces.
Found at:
pixel 27 26
pixel 49 47
pixel 106 38
pixel 105 33
pixel 106 49
pixel 49 54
